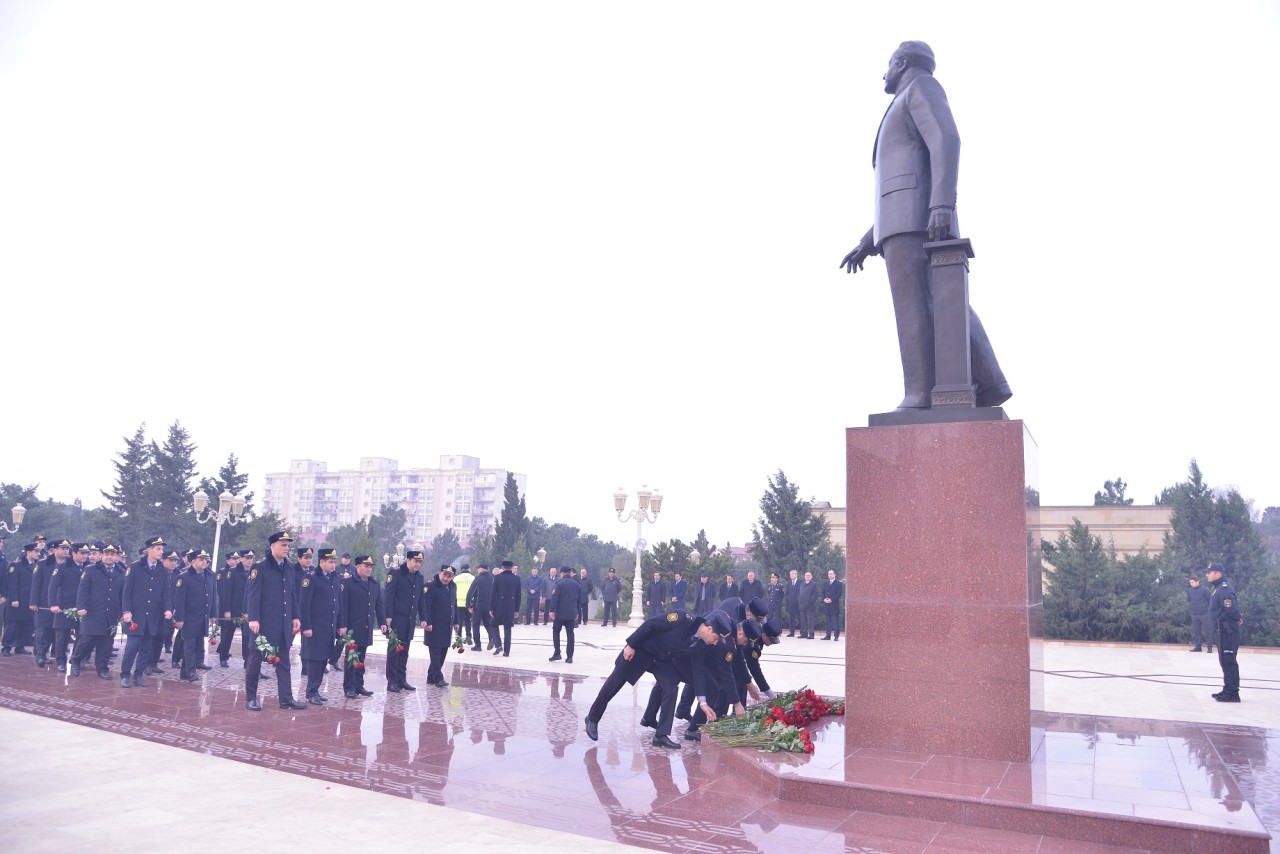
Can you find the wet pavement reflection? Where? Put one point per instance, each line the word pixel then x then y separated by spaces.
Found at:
pixel 510 744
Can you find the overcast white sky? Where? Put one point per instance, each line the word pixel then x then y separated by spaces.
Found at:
pixel 597 243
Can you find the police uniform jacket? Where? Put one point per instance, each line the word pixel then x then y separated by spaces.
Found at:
pixel 16 584
pixel 708 669
pixel 658 593
pixel 774 596
pixel 565 598
pixel 63 586
pixel 232 584
pixel 144 596
pixel 480 596
pixel 361 607
pixel 98 594
pixel 195 600
pixel 734 607
pixel 680 593
pixel 321 611
pixel 506 596
pixel 269 600
pixel 403 599
pixel 439 605
pixel 660 641
pixel 704 598
pixel 38 595
pixel 611 589
pixel 1224 612
pixel 753 664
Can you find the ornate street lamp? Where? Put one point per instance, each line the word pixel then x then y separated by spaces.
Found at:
pixel 19 513
pixel 649 506
pixel 230 512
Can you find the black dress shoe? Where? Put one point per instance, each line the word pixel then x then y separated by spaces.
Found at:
pixel 315 701
pixel 665 741
pixel 104 674
pixel 194 677
pixel 496 651
pixel 684 716
pixel 293 704
pixel 253 706
pixel 405 686
pixel 158 670
pixel 1224 697
pixel 62 668
pixel 21 651
pixel 568 661
pixel 506 655
pixel 363 693
pixel 649 722
pixel 125 683
pixel 555 657
pixel 75 668
pixel 1196 649
pixel 692 735
pixel 6 652
pixel 222 662
pixel 475 648
pixel 350 695
pixel 593 730
pixel 203 667
pixel 138 683
pixel 491 645
pixel 394 689
pixel 440 683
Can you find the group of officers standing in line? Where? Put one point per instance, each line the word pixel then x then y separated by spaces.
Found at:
pixel 794 603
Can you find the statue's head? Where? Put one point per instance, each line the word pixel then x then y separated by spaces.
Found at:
pixel 911 54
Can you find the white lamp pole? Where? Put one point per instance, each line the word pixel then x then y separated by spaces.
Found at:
pixel 230 512
pixel 649 506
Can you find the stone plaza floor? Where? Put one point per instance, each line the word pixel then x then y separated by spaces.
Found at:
pixel 500 757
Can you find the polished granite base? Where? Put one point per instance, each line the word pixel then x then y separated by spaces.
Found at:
pixel 509 744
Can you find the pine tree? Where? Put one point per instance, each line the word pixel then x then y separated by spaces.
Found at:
pixel 513 524
pixel 229 479
pixel 790 535
pixel 1075 584
pixel 129 498
pixel 172 471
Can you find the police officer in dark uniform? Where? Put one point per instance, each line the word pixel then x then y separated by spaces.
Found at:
pixel 163 642
pixel 232 583
pixel 402 595
pixel 439 606
pixel 175 646
pixel 775 594
pixel 273 615
pixel 63 586
pixel 302 567
pixel 15 587
pixel 506 605
pixel 738 611
pixel 38 601
pixel 479 600
pixel 98 603
pixel 195 596
pixel 1225 616
pixel 564 611
pixel 320 611
pixel 653 648
pixel 144 602
pixel 362 608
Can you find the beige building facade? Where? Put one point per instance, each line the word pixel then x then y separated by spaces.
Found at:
pixel 457 494
pixel 1126 528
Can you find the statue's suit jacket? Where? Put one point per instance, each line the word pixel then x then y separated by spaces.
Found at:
pixel 916 159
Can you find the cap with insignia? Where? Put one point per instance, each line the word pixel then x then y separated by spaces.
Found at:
pixel 200 553
pixel 31 547
pixel 189 554
pixel 247 553
pixel 412 554
pixel 1215 567
pixel 751 629
pixel 153 541
pixel 772 628
pixel 64 543
pixel 97 546
pixel 446 567
pixel 720 623
pixel 758 607
pixel 279 536
pixel 171 554
pixel 111 548
pixel 307 552
pixel 328 554
pixel 233 556
pixel 79 547
pixel 364 559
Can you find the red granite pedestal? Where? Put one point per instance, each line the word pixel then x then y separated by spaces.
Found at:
pixel 943 600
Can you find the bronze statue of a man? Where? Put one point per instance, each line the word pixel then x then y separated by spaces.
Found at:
pixel 917 162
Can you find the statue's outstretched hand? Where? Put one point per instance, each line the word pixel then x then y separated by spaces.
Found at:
pixel 854 260
pixel 940 224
